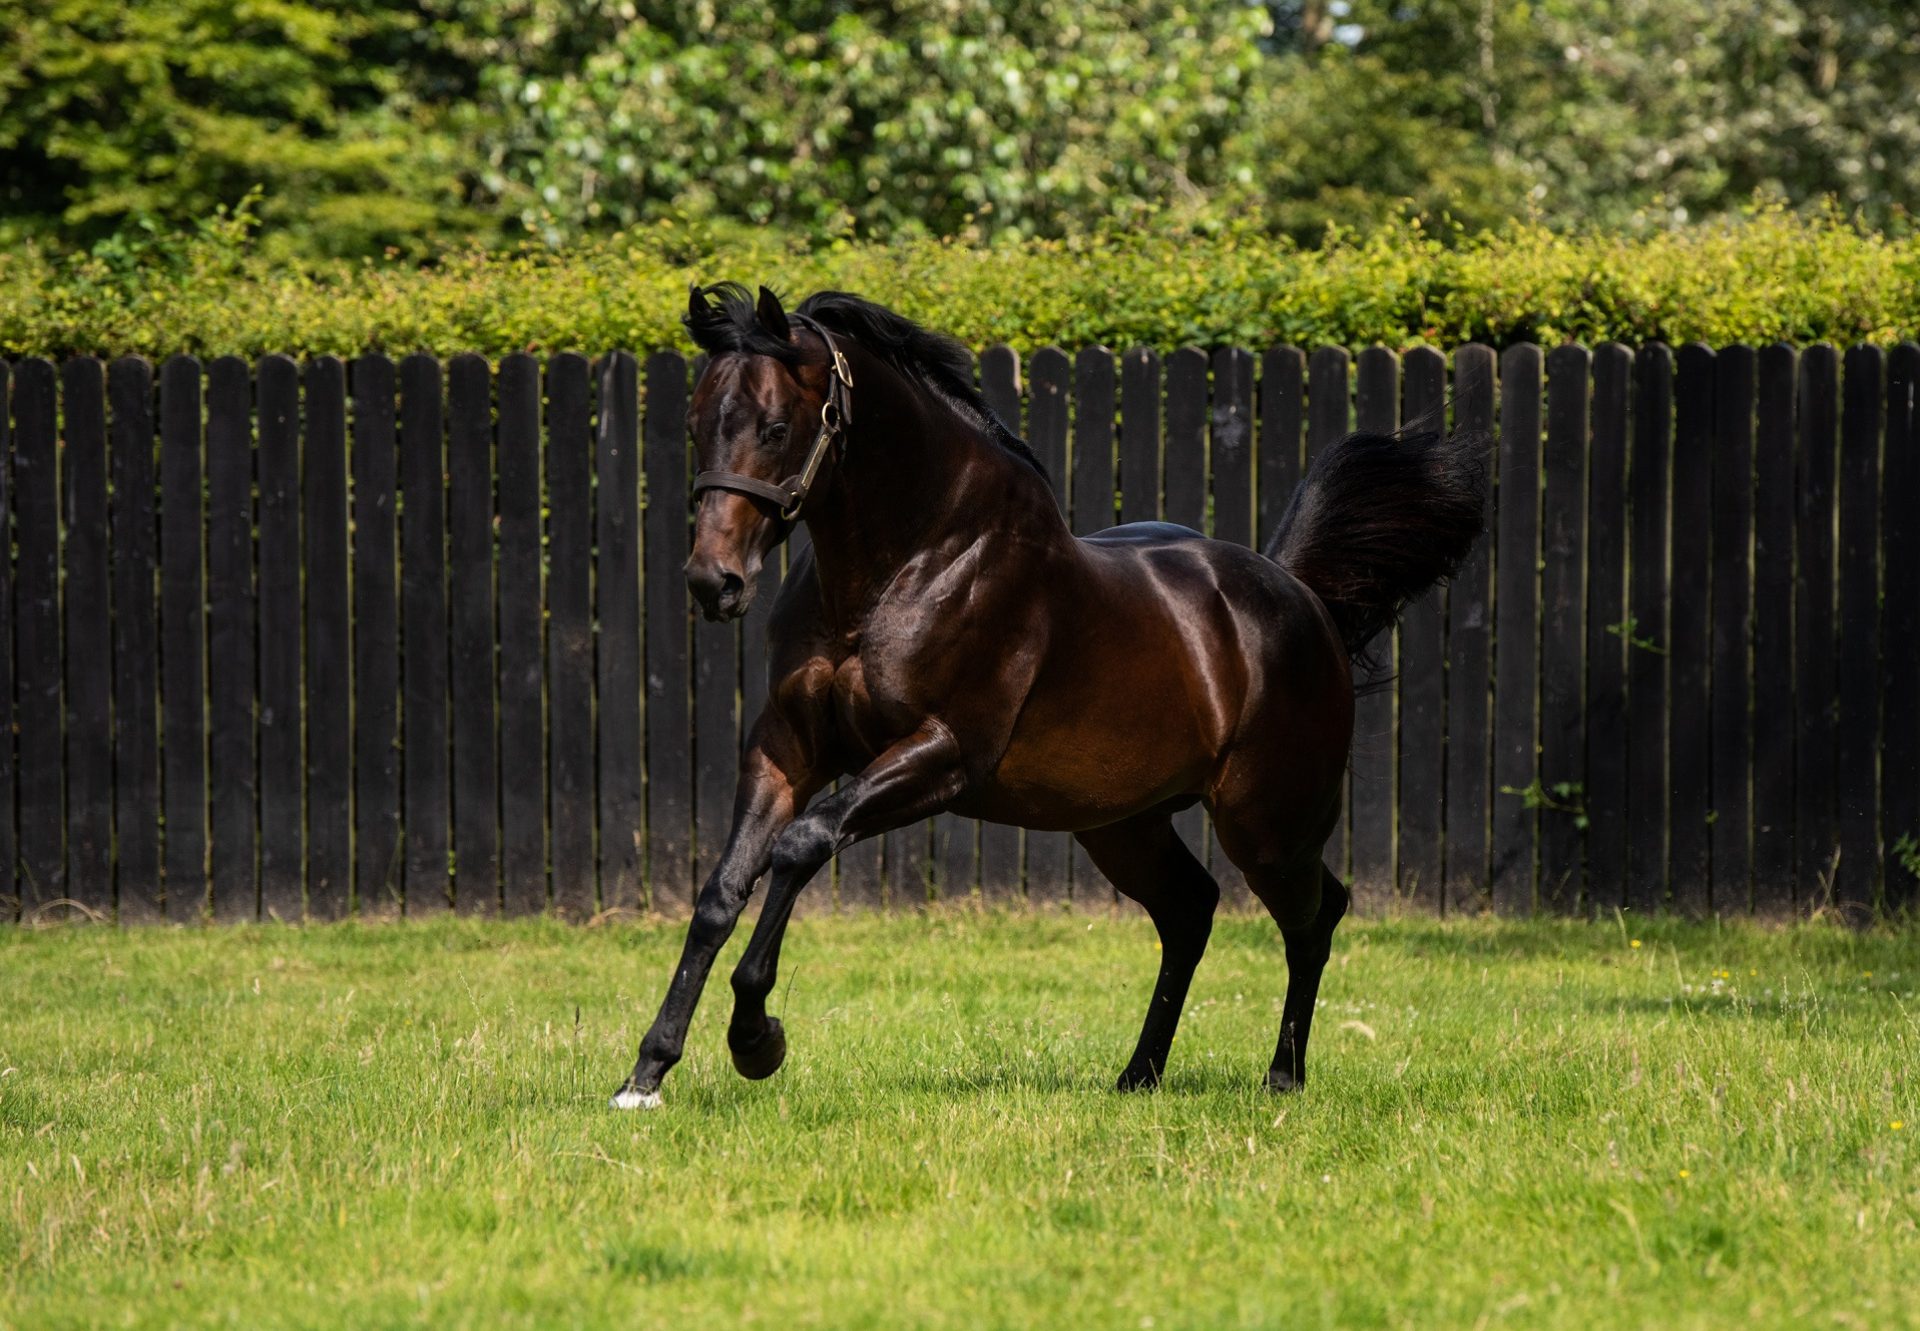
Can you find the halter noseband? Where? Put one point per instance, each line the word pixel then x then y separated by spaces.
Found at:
pixel 835 416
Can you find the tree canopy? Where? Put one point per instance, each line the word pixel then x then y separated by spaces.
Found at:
pixel 370 126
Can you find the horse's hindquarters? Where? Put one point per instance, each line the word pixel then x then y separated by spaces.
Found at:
pixel 1180 667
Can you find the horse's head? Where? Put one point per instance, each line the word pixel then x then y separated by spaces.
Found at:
pixel 757 421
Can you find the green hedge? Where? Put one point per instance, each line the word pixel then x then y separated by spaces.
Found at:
pixel 1771 276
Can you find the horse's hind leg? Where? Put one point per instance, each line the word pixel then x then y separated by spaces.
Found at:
pixel 1145 859
pixel 1307 904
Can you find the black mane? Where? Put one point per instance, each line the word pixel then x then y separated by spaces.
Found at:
pixel 939 363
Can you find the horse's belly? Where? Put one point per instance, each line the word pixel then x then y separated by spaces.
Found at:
pixel 1087 767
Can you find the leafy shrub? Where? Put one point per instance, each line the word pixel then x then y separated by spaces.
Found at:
pixel 1770 276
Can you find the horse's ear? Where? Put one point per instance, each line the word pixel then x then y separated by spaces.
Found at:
pixel 697 307
pixel 772 317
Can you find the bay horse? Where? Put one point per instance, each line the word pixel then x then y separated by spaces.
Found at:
pixel 949 645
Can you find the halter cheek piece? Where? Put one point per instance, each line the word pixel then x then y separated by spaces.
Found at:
pixel 835 416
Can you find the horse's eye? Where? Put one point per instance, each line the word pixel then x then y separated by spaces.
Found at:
pixel 777 433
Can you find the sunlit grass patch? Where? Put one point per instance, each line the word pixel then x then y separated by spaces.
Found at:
pixel 1536 1123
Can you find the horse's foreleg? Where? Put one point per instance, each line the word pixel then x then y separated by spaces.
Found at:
pixel 764 804
pixel 911 780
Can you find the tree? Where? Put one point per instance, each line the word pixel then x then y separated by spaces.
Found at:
pixel 166 111
pixel 922 116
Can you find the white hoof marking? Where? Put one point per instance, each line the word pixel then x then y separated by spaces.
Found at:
pixel 632 1099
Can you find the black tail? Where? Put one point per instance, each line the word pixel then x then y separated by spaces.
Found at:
pixel 1379 519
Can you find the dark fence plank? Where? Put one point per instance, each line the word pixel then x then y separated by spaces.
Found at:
pixel 1282 408
pixel 908 863
pixel 1606 648
pixel 476 787
pixel 1001 878
pixel 570 635
pixel 9 839
pixel 956 867
pixel 1283 400
pixel 1095 388
pixel 376 640
pixel 523 791
pixel 182 629
pixel 1645 630
pixel 1856 887
pixel 1140 414
pixel 1422 681
pixel 1690 633
pixel 1469 663
pixel 88 646
pixel 1230 459
pixel 1900 562
pixel 136 642
pixel 1516 637
pixel 1184 476
pixel 668 742
pixel 1563 628
pixel 1184 483
pixel 282 817
pixel 1141 408
pixel 423 634
pixel 1731 723
pixel 40 784
pixel 230 638
pixel 1815 843
pixel 1773 721
pixel 1329 419
pixel 861 881
pixel 329 662
pixel 1230 446
pixel 1376 403
pixel 1048 873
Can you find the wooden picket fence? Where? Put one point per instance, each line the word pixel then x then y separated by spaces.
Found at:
pixel 286 639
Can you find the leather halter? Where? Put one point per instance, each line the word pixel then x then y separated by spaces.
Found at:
pixel 836 414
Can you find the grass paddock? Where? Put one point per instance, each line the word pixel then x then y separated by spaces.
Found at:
pixel 1526 1124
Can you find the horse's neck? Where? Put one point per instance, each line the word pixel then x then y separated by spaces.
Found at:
pixel 914 474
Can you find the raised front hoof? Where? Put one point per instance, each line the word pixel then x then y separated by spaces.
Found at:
pixel 1281 1082
pixel 759 1059
pixel 1141 1077
pixel 629 1097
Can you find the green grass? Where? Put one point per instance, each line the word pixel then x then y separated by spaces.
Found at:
pixel 1531 1124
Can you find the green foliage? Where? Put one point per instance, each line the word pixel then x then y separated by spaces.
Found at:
pixel 885 118
pixel 163 111
pixel 1562 797
pixel 371 125
pixel 1770 276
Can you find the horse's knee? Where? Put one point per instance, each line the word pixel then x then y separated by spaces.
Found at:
pixel 805 845
pixel 715 912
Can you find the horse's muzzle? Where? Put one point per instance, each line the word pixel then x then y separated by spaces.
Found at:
pixel 723 593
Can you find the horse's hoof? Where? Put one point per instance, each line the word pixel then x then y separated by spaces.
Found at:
pixel 761 1058
pixel 1144 1078
pixel 1282 1082
pixel 629 1098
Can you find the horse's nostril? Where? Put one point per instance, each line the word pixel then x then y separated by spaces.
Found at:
pixel 731 585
